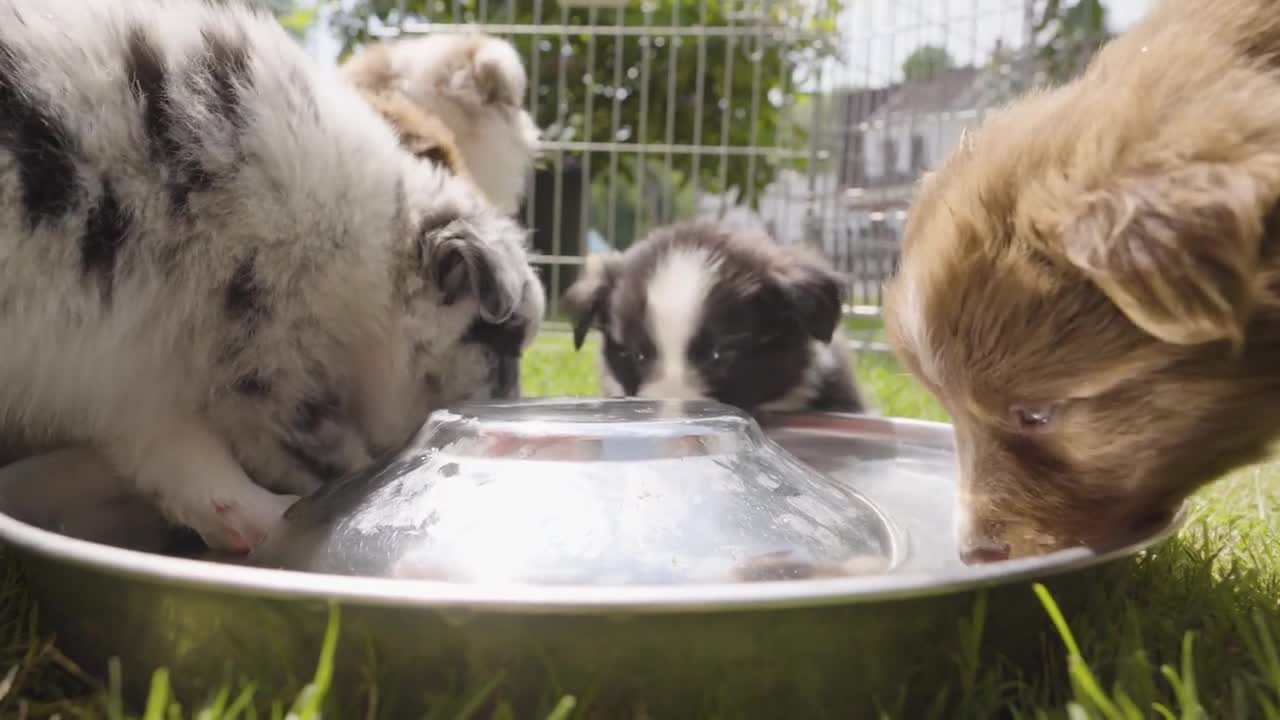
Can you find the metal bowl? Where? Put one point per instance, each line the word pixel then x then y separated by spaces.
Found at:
pixel 587 492
pixel 569 588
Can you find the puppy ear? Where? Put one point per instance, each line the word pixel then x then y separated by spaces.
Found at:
pixel 1177 252
pixel 499 73
pixel 460 263
pixel 369 68
pixel 813 293
pixel 485 70
pixel 587 299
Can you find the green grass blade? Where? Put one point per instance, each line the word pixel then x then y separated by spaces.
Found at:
pixel 971 644
pixel 1175 682
pixel 1055 615
pixel 115 690
pixel 504 712
pixel 1191 707
pixel 474 703
pixel 1266 648
pixel 563 708
pixel 1081 677
pixel 241 705
pixel 158 697
pixel 1269 710
pixel 1127 706
pixel 307 706
pixel 217 708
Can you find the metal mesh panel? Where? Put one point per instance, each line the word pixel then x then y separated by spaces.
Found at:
pixel 813 118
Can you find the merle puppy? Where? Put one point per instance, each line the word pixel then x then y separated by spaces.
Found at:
pixel 715 310
pixel 219 267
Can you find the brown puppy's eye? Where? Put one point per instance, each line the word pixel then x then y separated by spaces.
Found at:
pixel 1034 418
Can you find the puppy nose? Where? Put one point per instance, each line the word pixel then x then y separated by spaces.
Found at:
pixel 987 552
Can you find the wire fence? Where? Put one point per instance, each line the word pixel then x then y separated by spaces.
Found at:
pixel 810 118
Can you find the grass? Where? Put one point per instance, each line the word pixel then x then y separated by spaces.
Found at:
pixel 1187 631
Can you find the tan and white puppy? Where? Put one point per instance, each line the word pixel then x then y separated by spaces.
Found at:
pixel 474 84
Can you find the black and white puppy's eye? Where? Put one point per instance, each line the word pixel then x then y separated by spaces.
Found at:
pixel 1035 418
pixel 720 354
pixel 765 340
pixel 627 354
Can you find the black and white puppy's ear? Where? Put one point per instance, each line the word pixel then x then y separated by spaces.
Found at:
pixel 462 264
pixel 811 291
pixel 587 300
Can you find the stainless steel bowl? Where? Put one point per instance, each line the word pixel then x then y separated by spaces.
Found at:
pixel 567 590
pixel 587 492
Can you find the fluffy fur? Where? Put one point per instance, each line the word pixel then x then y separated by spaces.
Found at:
pixel 420 132
pixel 219 267
pixel 715 310
pixel 1090 283
pixel 475 84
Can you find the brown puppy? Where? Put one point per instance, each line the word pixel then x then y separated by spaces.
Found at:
pixel 1091 284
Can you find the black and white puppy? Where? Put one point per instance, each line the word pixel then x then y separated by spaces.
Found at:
pixel 721 311
pixel 220 269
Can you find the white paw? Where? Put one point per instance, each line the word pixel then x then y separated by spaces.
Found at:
pixel 197 483
pixel 237 525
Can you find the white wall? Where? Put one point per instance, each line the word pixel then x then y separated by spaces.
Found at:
pixel 939 131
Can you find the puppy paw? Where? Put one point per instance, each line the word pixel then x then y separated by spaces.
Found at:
pixel 196 482
pixel 239 525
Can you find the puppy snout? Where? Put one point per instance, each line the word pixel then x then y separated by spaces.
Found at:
pixel 986 545
pixel 507 378
pixel 984 552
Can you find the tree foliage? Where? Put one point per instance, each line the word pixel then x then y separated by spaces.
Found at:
pixel 1067 33
pixel 925 62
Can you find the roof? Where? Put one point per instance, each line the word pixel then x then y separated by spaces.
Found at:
pixel 950 90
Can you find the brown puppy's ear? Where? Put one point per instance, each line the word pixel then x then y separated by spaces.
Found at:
pixel 812 292
pixel 587 299
pixel 1177 252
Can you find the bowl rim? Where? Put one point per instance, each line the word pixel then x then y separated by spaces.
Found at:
pixel 208 576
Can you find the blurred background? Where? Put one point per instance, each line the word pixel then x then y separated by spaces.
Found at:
pixel 812 118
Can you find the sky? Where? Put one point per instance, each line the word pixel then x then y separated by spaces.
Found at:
pixel 880 34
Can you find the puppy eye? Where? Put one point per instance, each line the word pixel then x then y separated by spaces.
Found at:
pixel 1034 418
pixel 720 354
pixel 630 355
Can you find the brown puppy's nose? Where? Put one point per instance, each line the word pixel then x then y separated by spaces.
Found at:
pixel 984 553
